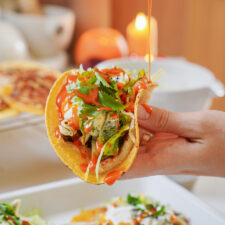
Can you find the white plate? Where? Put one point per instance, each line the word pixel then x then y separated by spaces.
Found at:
pixel 59 201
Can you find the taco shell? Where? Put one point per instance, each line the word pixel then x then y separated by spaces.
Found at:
pixel 70 154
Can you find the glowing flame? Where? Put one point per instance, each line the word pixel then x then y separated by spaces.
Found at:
pixel 141 21
pixel 147 57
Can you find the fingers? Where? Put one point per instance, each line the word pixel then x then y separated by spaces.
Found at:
pixel 144 136
pixel 161 120
pixel 165 154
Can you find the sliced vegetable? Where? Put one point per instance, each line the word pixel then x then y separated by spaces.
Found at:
pixel 109 145
pixel 109 101
pixel 159 212
pixel 141 74
pixel 7 214
pixel 100 79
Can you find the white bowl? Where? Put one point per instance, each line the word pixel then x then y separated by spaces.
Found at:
pixel 47 34
pixel 12 43
pixel 184 87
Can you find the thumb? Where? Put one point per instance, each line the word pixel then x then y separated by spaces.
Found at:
pixel 161 120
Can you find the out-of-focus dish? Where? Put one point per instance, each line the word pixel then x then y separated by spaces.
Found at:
pixel 25 85
pixel 48 33
pixel 91 119
pixel 13 44
pixel 132 210
pixel 9 215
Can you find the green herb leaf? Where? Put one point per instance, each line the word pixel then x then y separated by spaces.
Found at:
pixel 108 101
pixel 100 79
pixel 88 109
pixel 79 86
pixel 134 81
pixel 84 74
pixel 124 119
pixel 85 90
pixel 109 129
pixel 92 79
pixel 6 212
pixel 159 212
pixel 115 88
pixel 108 147
pixel 133 200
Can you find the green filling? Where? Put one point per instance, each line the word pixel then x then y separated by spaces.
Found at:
pixel 7 214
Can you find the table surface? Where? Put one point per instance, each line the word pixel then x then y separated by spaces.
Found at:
pixel 212 191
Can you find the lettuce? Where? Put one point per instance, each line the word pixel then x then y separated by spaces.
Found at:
pixel 108 101
pixel 132 82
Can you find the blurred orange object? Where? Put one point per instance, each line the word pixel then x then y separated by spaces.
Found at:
pixel 99 44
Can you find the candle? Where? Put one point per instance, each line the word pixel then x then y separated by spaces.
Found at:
pixel 137 36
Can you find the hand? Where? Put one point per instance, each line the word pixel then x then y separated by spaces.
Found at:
pixel 182 143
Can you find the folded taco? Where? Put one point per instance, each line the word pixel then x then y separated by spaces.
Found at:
pixel 91 120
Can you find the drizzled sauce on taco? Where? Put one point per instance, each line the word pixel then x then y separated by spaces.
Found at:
pixel 96 115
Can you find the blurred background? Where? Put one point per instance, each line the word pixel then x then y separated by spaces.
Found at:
pixel 65 33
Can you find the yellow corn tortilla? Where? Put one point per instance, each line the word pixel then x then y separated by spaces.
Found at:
pixel 7 113
pixel 7 89
pixel 70 154
pixel 89 215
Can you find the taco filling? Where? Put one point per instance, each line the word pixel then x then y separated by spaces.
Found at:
pixel 96 114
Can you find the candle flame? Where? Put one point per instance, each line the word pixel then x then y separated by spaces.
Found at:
pixel 141 21
pixel 147 57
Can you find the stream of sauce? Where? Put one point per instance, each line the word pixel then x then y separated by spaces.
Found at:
pixel 149 36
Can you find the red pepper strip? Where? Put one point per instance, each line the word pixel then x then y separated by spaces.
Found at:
pixel 88 127
pixel 113 71
pixel 83 167
pixel 99 146
pixel 130 107
pixel 111 178
pixel 91 98
pixel 114 116
pixel 138 86
pixel 25 222
pixel 120 85
pixel 93 162
pixel 147 108
pixel 102 74
pixel 104 109
pixel 71 79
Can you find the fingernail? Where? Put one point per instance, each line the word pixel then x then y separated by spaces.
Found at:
pixel 142 113
pixel 145 139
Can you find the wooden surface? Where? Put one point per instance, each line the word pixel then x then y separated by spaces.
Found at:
pixel 194 29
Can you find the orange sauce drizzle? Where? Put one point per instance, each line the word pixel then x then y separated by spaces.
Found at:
pixel 149 31
pixel 112 177
pixel 147 108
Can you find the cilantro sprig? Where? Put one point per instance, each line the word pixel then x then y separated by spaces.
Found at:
pixel 7 214
pixel 132 82
pixel 108 101
pixel 141 205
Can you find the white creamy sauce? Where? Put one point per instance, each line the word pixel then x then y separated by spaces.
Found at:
pixel 122 214
pixel 122 78
pixel 161 220
pixel 4 223
pixel 68 114
pixel 125 214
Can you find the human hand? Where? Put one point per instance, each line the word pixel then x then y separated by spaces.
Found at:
pixel 182 143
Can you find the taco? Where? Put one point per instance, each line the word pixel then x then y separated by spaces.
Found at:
pixel 5 110
pixel 130 210
pixel 91 120
pixel 26 85
pixel 10 215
